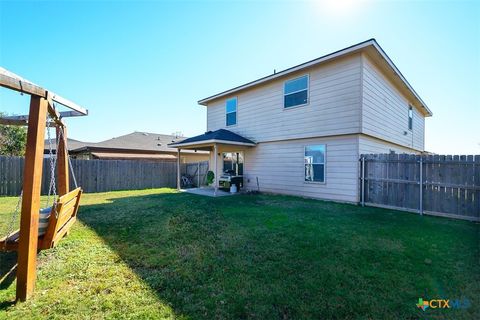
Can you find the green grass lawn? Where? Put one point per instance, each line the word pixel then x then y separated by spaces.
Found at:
pixel 160 254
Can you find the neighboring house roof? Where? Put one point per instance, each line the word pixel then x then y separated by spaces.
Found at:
pixel 217 136
pixel 72 144
pixel 132 156
pixel 144 141
pixel 135 142
pixel 362 46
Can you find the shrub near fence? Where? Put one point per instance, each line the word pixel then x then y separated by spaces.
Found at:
pixel 94 175
pixel 435 184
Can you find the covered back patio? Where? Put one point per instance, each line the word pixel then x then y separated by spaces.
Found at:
pixel 226 148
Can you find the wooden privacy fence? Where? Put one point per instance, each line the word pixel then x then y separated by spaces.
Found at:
pixel 434 184
pixel 94 175
pixel 197 172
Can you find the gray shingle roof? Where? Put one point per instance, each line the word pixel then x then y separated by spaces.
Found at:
pixel 140 141
pixel 71 143
pixel 146 141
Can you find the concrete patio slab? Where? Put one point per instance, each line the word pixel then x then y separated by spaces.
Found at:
pixel 209 192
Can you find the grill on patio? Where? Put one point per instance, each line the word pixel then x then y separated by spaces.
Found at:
pixel 229 178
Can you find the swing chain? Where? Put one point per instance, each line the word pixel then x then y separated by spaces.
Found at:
pixel 73 173
pixel 53 162
pixel 11 226
pixel 52 186
pixel 69 159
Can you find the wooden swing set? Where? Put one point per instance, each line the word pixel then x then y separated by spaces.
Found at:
pixel 43 114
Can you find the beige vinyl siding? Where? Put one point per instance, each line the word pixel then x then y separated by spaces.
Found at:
pixel 333 108
pixel 369 145
pixel 385 110
pixel 279 167
pixel 418 130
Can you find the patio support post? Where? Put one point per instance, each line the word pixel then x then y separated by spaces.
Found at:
pixel 215 151
pixel 198 174
pixel 420 205
pixel 362 182
pixel 178 169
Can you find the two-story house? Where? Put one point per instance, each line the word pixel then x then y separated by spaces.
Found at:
pixel 301 131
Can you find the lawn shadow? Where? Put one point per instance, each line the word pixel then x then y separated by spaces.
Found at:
pixel 252 257
pixel 183 248
pixel 8 268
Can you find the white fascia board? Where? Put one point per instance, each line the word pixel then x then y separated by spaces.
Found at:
pixel 211 141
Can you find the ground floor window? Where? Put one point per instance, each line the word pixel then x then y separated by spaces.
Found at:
pixel 315 163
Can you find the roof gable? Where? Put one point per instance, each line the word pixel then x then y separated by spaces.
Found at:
pixel 368 46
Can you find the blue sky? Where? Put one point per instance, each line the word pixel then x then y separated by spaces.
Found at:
pixel 144 65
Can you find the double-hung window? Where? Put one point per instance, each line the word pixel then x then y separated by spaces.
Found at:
pixel 295 92
pixel 231 112
pixel 315 163
pixel 410 118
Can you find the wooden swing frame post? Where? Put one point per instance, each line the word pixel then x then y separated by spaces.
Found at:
pixel 41 104
pixel 28 241
pixel 32 179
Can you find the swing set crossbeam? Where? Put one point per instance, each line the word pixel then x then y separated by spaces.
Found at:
pixel 23 119
pixel 14 82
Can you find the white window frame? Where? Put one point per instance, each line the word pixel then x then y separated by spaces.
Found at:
pixel 227 113
pixel 324 163
pixel 410 123
pixel 286 94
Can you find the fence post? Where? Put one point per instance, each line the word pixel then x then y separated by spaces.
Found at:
pixel 198 173
pixel 363 180
pixel 421 186
pixel 97 178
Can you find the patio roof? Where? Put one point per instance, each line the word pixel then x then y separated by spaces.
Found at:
pixel 220 136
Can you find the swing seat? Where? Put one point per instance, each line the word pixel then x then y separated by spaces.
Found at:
pixel 61 220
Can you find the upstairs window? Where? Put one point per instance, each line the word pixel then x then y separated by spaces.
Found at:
pixel 315 163
pixel 295 92
pixel 231 111
pixel 410 118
